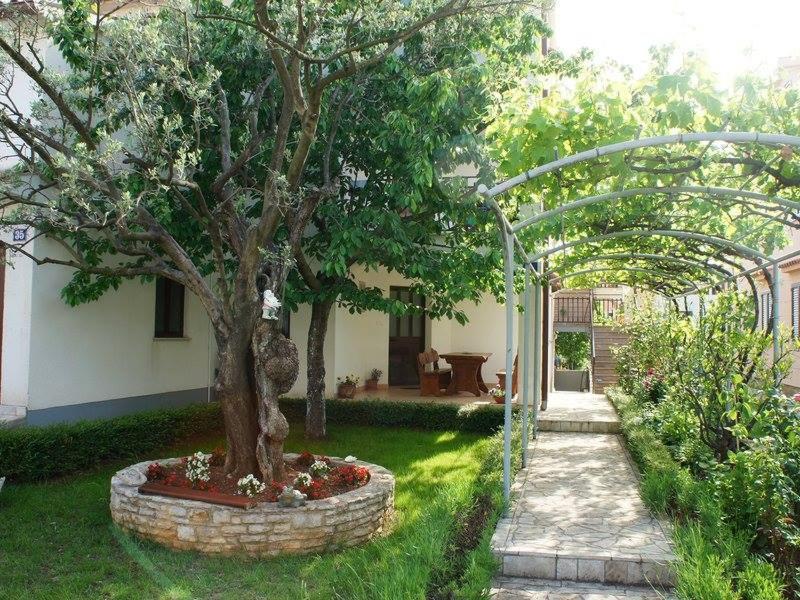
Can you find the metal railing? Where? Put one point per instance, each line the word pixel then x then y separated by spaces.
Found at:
pixel 582 310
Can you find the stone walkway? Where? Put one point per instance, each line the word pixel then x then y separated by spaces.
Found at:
pixel 579 412
pixel 578 517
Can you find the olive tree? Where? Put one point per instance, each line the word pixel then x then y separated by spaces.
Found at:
pixel 177 143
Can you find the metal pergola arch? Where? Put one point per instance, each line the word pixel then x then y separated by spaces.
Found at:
pixel 643 270
pixel 679 234
pixel 703 266
pixel 511 242
pixel 699 191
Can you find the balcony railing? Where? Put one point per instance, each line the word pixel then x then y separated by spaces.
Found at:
pixel 577 310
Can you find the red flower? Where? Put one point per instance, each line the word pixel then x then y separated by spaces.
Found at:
pixel 796 397
pixel 351 475
pixel 155 472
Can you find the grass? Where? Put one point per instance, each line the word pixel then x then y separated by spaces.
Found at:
pixel 57 540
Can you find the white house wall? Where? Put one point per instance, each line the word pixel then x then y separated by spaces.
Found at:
pixel 357 343
pixel 16 330
pixel 100 359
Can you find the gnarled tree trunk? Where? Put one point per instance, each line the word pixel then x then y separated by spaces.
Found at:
pixel 276 366
pixel 315 369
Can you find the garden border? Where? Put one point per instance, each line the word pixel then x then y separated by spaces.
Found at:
pixel 267 529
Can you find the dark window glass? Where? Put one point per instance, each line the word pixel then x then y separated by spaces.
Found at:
pixel 169 308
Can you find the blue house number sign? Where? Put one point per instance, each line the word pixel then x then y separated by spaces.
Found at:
pixel 20 234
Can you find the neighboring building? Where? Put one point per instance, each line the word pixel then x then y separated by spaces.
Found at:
pixel 788 302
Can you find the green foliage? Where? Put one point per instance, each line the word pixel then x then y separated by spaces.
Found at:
pixel 702 570
pixel 36 453
pixel 759 581
pixel 434 416
pixel 573 348
pixel 718 517
pixel 605 104
pixel 719 386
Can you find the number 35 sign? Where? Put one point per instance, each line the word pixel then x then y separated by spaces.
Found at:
pixel 20 234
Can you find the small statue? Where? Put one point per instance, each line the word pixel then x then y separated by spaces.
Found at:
pixel 270 306
pixel 291 498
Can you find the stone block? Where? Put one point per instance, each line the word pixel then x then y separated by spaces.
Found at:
pixel 591 570
pixel 567 569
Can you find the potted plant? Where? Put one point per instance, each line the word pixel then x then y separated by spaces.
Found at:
pixel 498 393
pixel 372 381
pixel 347 385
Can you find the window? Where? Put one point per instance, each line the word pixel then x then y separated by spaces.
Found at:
pixel 169 308
pixel 765 310
pixel 796 311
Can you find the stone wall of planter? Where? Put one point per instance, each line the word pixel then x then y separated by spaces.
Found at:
pixel 265 530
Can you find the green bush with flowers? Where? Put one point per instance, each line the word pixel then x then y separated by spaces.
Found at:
pixel 707 391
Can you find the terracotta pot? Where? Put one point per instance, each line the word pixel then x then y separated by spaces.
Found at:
pixel 499 399
pixel 346 390
pixel 371 384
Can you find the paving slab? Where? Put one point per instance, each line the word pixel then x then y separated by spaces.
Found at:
pixel 577 516
pixel 510 588
pixel 579 412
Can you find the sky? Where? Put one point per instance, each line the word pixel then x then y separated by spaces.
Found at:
pixel 733 35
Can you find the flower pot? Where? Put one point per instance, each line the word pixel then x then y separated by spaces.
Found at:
pixel 346 390
pixel 499 399
pixel 371 384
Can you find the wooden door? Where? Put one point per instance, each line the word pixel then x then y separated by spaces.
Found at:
pixel 406 339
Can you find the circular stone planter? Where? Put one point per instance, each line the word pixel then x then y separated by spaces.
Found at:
pixel 267 529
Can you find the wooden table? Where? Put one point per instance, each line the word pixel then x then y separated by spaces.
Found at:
pixel 466 371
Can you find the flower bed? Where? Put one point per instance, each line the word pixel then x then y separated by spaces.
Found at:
pixel 201 477
pixel 348 504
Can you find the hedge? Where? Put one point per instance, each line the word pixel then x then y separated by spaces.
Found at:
pixel 483 418
pixel 34 453
pixel 37 453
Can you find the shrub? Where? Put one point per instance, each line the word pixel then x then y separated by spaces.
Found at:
pixel 36 453
pixel 702 571
pixel 386 413
pixel 758 581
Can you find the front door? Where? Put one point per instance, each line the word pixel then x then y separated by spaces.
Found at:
pixel 406 339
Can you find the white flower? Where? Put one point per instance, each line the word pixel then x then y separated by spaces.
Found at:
pixel 302 480
pixel 250 486
pixel 319 469
pixel 198 467
pixel 350 458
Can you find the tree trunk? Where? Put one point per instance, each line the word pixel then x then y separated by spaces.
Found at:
pixel 315 370
pixel 234 390
pixel 275 366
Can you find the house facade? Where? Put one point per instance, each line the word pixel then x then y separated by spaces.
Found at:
pixel 146 346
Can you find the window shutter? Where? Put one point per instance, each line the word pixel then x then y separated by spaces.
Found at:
pixel 796 311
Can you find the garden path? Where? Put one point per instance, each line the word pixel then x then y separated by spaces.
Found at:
pixel 578 527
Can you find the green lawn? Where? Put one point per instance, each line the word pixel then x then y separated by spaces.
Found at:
pixel 57 539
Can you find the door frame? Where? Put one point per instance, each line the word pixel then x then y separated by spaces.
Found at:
pixel 423 331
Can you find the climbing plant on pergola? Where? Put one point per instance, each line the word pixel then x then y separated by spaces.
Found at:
pixel 682 238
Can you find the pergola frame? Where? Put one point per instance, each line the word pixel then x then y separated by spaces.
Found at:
pixel 532 265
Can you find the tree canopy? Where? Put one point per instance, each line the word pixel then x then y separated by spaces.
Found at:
pixel 605 104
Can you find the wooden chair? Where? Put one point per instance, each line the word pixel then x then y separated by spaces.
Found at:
pixel 432 379
pixel 501 377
